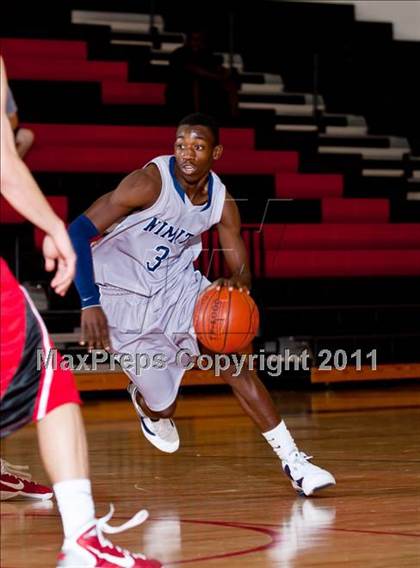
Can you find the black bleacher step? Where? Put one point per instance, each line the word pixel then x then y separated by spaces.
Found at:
pixel 249 186
pixel 255 78
pixel 14 240
pixel 79 32
pixel 365 31
pixel 271 211
pixel 295 119
pixel 62 321
pixel 16 18
pixel 389 349
pixel 278 98
pixel 138 54
pixel 164 37
pixel 346 291
pixel 341 320
pixel 146 115
pixel 360 186
pixel 147 72
pixel 251 117
pixel 334 120
pixel 122 6
pixel 311 162
pixel 82 189
pixel 56 101
pixel 293 211
pixel 388 164
pixel 160 56
pixel 267 139
pixel 362 141
pixel 404 211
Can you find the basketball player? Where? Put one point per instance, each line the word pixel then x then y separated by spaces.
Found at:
pixel 139 290
pixel 49 396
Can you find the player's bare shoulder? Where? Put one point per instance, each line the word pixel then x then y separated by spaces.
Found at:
pixel 141 188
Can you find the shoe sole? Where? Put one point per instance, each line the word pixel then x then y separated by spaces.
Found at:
pixel 43 497
pixel 301 493
pixel 5 495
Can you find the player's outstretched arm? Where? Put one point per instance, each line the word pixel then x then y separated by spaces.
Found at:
pixel 233 247
pixel 138 190
pixel 22 192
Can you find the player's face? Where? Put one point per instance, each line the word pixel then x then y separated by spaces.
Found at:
pixel 195 151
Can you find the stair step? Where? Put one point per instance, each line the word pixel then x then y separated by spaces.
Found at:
pixel 370 153
pixel 346 130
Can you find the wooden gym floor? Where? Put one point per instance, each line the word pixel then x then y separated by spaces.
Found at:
pixel 221 500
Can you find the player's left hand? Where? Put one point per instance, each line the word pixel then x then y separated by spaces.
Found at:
pixel 231 283
pixel 59 254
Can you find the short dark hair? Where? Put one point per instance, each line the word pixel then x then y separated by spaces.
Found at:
pixel 200 119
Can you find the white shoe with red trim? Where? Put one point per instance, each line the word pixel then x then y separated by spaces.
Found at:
pixel 90 549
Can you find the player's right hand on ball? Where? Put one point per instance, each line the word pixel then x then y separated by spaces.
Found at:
pixel 95 329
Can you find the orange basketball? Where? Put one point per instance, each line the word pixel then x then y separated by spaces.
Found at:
pixel 225 321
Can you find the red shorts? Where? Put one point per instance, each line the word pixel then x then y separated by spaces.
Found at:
pixel 31 380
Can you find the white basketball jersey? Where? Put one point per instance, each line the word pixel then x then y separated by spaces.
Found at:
pixel 149 249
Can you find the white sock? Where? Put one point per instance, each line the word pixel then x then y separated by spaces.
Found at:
pixel 75 503
pixel 280 440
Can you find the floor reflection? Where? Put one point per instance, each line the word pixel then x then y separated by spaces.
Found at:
pixel 303 529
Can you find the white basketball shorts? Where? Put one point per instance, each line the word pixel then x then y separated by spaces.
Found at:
pixel 150 334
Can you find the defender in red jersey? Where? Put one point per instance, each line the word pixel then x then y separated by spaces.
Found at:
pixel 30 391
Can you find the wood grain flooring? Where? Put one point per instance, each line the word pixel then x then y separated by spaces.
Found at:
pixel 222 501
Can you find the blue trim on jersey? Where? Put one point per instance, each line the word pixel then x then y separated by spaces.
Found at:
pixel 210 193
pixel 180 189
pixel 176 183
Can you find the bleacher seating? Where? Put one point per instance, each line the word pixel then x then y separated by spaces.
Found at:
pixel 322 192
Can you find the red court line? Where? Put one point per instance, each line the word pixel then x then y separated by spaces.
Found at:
pixel 264 528
pixel 274 535
pixel 362 531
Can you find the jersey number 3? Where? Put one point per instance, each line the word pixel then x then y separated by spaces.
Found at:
pixel 159 258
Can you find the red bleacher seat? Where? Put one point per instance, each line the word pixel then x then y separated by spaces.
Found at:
pixel 134 136
pixel 115 92
pixel 334 263
pixel 365 210
pixel 94 159
pixel 8 215
pixel 60 204
pixel 51 69
pixel 308 186
pixel 342 237
pixel 256 162
pixel 45 48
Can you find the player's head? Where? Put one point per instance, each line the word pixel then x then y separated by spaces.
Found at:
pixel 200 119
pixel 197 145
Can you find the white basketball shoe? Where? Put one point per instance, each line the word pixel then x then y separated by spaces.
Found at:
pixel 161 433
pixel 306 478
